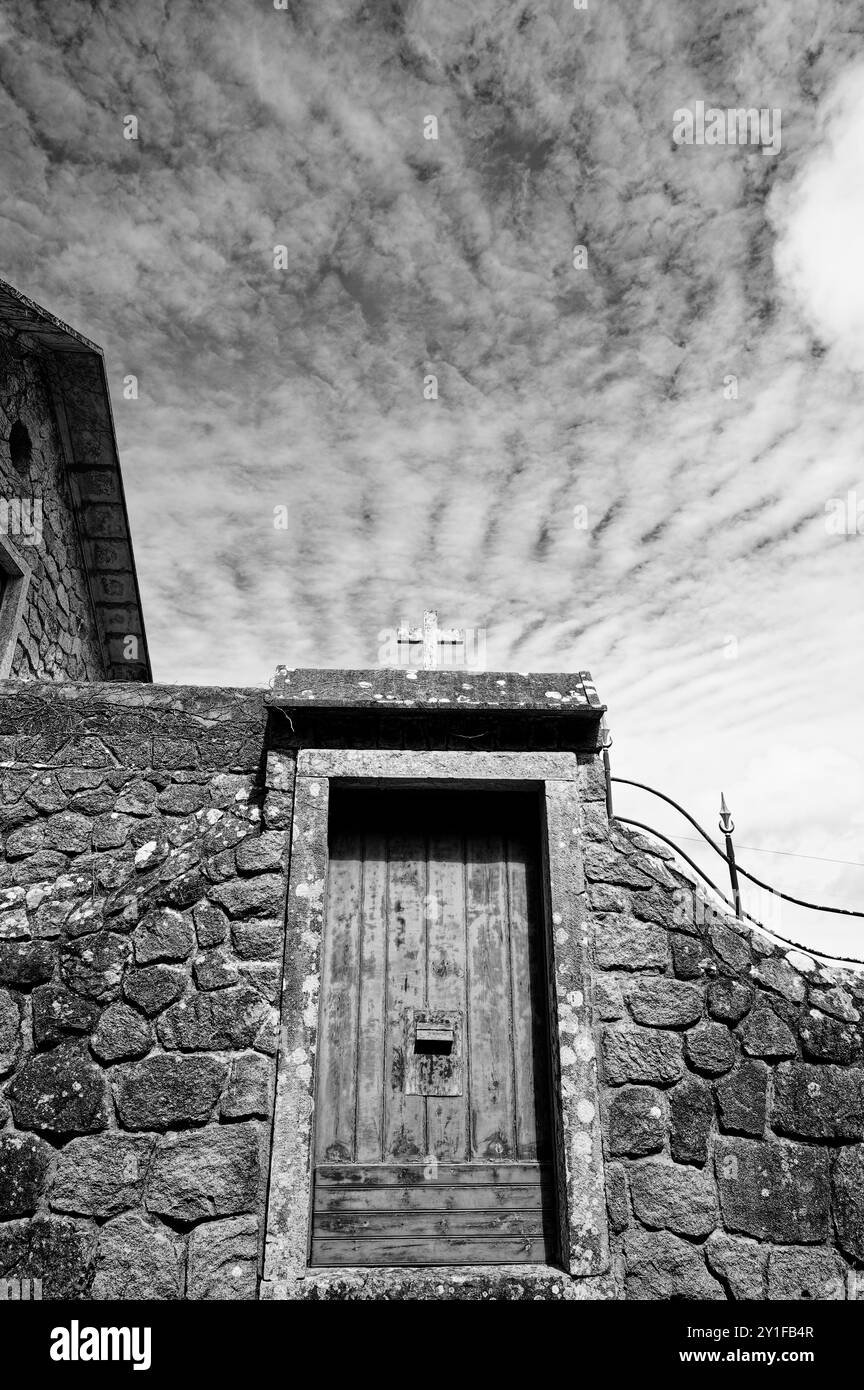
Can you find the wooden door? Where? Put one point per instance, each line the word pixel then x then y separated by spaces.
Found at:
pixel 432 1134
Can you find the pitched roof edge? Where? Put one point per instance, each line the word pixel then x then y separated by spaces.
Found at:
pixel 82 404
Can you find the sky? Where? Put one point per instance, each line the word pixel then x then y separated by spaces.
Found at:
pixel 635 457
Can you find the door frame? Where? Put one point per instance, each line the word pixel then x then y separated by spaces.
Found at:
pixel 580 1188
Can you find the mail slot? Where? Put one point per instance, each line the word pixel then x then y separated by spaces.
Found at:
pixel 434 1037
pixel 433 1052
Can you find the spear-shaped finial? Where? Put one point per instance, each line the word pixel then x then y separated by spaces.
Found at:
pixel 727 827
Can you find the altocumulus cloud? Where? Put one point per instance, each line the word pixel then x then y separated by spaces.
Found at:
pixel 820 215
pixel 721 620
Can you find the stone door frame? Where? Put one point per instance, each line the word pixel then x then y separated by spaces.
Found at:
pixel 576 1111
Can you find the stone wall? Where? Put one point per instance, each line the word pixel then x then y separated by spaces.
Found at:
pixel 141 907
pixel 141 934
pixel 58 638
pixel 732 1088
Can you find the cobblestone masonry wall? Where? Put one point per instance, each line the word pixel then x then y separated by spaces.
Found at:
pixel 141 909
pixel 58 639
pixel 141 906
pixel 732 1090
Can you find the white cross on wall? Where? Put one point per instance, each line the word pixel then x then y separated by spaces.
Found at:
pixel 431 636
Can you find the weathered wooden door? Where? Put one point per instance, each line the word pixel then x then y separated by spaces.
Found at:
pixel 432 1134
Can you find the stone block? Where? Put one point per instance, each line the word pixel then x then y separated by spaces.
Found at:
pixel 806 1274
pixel 640 1054
pixel 661 1266
pixel 136 1259
pixel 205 1173
pixel 165 935
pixel 182 799
pixel 847 1188
pixel 47 863
pixel 616 1197
pixel 49 918
pixel 777 974
pixel 10 1031
pixel 623 943
pixel 24 964
pixel 773 1190
pixel 225 1018
pixel 250 1087
pixel 818 1102
pixel 262 896
pixel 60 1092
pixel 102 1175
pixel 731 947
pixel 122 1033
pixel 265 977
pixel 155 987
pixel 278 810
pixel 226 833
pixel 691 1111
pixel 675 1199
pixel 657 905
pixel 111 830
pixel 93 965
pixel 602 897
pixel 608 999
pixel 56 1249
pixel 637 1122
pixel 728 1000
pixel 184 890
pixel 765 1035
pixel 837 1002
pixel 711 1048
pixel 739 1263
pixel 742 1099
pixel 223 1259
pixel 261 853
pixel 26 840
pixel 85 918
pixel 662 1003
pixel 57 1013
pixel 826 1039
pixel 688 955
pixel 215 969
pixel 165 1091
pixel 68 832
pixel 25 1161
pixel 258 940
pixel 14 925
pixel 604 864
pixel 137 799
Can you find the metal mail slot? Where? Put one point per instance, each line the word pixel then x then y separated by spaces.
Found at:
pixel 432 1064
pixel 438 1037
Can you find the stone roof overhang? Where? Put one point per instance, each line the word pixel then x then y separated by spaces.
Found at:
pixel 441 708
pixel 75 369
pixel 415 688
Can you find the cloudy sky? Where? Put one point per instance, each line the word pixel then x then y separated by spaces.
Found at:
pixel 697 387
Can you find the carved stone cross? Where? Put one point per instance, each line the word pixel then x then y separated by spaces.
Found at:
pixel 431 637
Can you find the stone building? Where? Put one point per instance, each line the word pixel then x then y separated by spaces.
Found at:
pixel 350 989
pixel 69 603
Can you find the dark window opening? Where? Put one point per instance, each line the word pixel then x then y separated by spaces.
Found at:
pixel 20 447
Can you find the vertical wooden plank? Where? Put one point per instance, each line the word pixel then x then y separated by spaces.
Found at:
pixel 334 1129
pixel 446 1116
pixel 370 1042
pixel 404 1116
pixel 531 1100
pixel 489 1002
